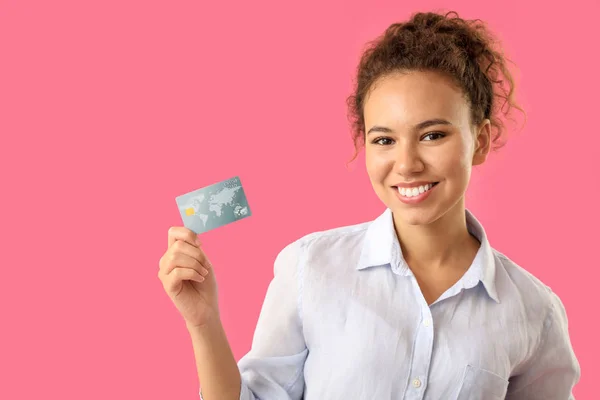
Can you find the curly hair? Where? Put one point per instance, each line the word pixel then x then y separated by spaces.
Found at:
pixel 463 50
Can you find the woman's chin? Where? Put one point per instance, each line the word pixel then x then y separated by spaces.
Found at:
pixel 415 217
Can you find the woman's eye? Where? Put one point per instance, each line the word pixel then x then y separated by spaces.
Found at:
pixel 383 141
pixel 433 136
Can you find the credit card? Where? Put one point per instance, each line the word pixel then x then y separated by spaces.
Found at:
pixel 213 206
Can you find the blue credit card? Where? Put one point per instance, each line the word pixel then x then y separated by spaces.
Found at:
pixel 213 206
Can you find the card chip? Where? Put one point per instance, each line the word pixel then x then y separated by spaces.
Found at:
pixel 189 211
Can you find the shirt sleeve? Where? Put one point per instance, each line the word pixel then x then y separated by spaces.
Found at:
pixel 554 369
pixel 273 368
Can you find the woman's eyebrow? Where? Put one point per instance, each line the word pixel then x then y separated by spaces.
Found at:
pixel 420 126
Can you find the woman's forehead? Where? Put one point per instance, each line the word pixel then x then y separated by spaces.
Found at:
pixel 409 99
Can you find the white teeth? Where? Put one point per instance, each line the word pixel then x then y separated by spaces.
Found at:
pixel 412 192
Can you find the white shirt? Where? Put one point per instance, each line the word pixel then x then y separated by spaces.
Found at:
pixel 344 318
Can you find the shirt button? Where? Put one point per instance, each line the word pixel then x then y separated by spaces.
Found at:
pixel 417 383
pixel 427 322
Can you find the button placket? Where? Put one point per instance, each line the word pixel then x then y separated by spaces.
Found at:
pixel 422 352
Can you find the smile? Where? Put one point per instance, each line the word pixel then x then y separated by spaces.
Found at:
pixel 415 191
pixel 415 194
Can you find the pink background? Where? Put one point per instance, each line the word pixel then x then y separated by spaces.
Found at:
pixel 110 109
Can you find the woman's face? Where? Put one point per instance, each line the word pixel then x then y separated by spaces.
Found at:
pixel 420 145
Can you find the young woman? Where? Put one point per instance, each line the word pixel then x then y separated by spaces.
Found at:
pixel 415 304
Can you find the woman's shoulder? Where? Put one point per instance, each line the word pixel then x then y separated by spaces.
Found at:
pixel 338 235
pixel 520 284
pixel 336 240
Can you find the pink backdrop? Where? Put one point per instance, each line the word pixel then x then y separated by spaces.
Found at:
pixel 110 109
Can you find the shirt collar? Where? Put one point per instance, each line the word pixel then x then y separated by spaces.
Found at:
pixel 381 248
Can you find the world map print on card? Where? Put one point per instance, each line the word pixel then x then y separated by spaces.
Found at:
pixel 213 206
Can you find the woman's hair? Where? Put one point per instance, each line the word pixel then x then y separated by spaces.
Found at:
pixel 463 50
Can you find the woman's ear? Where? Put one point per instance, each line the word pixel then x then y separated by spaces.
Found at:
pixel 483 142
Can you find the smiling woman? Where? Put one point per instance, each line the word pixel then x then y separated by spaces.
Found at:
pixel 415 304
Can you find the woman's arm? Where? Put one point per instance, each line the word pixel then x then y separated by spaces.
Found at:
pixel 217 369
pixel 554 369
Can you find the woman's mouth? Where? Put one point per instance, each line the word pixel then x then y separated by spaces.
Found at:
pixel 415 191
pixel 415 194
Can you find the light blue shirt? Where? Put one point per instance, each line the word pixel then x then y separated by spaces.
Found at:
pixel 344 318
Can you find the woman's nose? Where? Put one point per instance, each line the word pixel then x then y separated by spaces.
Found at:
pixel 407 159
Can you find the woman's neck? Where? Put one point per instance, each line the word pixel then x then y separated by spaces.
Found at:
pixel 441 244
